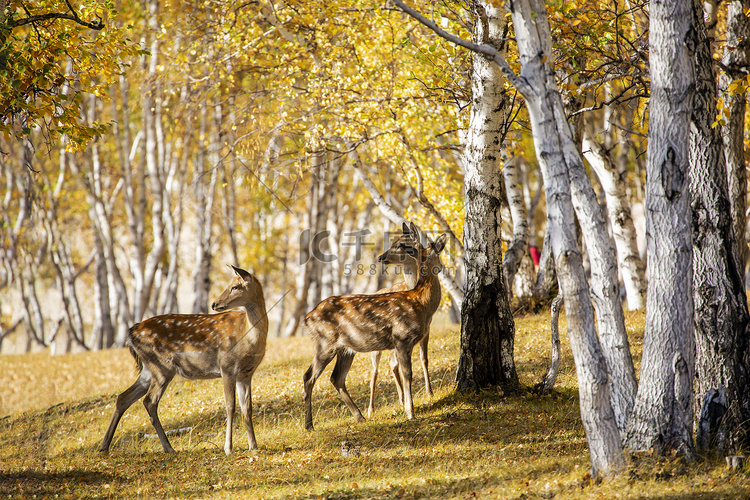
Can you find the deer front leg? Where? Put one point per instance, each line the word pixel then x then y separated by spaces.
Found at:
pixel 423 357
pixel 246 405
pixel 404 363
pixel 229 402
pixel 375 357
pixel 338 379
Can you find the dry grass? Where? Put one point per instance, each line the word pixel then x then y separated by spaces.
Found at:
pixel 488 445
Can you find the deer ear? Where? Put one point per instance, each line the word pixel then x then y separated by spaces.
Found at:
pixel 414 231
pixel 405 227
pixel 440 243
pixel 240 272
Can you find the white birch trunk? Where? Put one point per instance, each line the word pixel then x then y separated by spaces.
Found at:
pixel 205 193
pixel 721 312
pixel 604 405
pixel 631 265
pixel 487 326
pixel 662 416
pixel 736 60
pixel 519 245
pixel 155 165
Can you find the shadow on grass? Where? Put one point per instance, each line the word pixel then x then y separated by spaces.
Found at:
pixel 41 484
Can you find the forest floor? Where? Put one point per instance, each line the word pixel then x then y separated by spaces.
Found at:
pixel 54 411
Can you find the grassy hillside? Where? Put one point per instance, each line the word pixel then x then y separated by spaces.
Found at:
pixel 488 445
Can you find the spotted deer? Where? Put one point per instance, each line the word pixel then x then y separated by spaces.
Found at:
pixel 400 252
pixel 230 345
pixel 341 326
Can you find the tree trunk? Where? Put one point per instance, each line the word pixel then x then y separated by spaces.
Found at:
pixel 545 387
pixel 631 265
pixel 546 287
pixel 735 61
pixel 662 419
pixel 487 327
pixel 205 198
pixel 721 313
pixel 519 245
pixel 603 404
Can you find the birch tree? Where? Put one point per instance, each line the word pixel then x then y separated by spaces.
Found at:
pixel 566 184
pixel 487 327
pixel 721 313
pixel 662 418
pixel 735 62
pixel 631 265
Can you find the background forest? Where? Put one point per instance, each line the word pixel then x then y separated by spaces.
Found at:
pixel 262 135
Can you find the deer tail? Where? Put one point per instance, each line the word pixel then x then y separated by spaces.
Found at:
pixel 129 344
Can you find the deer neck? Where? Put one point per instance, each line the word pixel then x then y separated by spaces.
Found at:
pixel 411 275
pixel 256 312
pixel 428 285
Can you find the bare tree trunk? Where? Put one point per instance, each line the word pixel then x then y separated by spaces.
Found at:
pixel 722 321
pixel 519 246
pixel 103 333
pixel 603 402
pixel 631 266
pixel 554 365
pixel 155 164
pixel 487 327
pixel 662 418
pixel 546 286
pixel 205 199
pixel 735 62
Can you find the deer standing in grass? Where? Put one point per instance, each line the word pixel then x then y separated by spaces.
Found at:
pixel 399 253
pixel 341 326
pixel 229 345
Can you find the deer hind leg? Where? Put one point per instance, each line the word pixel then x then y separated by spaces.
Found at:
pixel 246 405
pixel 125 401
pixel 338 379
pixel 423 356
pixel 404 363
pixel 320 361
pixel 159 383
pixel 375 357
pixel 396 376
pixel 229 401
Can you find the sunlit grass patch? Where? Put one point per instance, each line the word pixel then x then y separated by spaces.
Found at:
pixel 487 445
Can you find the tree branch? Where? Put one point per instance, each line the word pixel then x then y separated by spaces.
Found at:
pixel 71 16
pixel 485 49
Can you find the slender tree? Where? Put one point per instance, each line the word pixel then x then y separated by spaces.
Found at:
pixel 662 418
pixel 722 321
pixel 566 185
pixel 487 327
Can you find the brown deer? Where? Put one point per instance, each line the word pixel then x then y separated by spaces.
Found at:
pixel 398 254
pixel 341 326
pixel 229 345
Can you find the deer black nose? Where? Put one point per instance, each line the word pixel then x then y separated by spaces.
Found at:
pixel 213 305
pixel 381 258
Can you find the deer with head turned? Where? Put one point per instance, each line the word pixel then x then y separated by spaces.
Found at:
pixel 400 253
pixel 230 345
pixel 341 326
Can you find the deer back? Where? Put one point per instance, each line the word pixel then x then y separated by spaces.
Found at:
pixel 204 345
pixel 367 323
